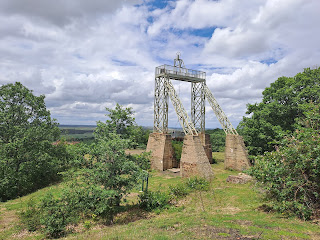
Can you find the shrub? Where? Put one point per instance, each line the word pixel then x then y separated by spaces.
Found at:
pixel 197 183
pixel 291 174
pixel 54 216
pixel 179 191
pixel 153 200
pixel 158 200
pixel 77 202
pixel 30 216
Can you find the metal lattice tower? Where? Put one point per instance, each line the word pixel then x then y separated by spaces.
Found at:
pixel 197 105
pixel 160 106
pixel 199 91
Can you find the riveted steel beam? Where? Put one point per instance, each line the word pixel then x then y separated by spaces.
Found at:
pixel 222 117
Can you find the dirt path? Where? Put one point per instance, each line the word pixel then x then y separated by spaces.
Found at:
pixel 8 219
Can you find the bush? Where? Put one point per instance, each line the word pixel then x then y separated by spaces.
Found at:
pixel 179 191
pixel 158 200
pixel 77 203
pixel 291 174
pixel 54 216
pixel 197 183
pixel 30 216
pixel 153 200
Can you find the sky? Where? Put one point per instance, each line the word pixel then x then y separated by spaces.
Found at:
pixel 85 55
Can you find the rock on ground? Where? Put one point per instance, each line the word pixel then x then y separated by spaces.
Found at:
pixel 241 178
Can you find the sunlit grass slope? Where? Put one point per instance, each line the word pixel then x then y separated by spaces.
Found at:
pixel 229 211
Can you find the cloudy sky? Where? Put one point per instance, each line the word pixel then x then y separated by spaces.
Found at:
pixel 88 55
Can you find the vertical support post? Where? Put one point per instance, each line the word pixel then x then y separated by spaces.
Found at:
pixel 198 106
pixel 160 106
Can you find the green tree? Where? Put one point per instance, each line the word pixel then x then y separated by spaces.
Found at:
pixel 112 167
pixel 28 160
pixel 217 139
pixel 291 174
pixel 282 103
pixel 177 148
pixel 122 123
pixel 106 176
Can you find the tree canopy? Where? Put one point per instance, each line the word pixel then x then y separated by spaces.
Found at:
pixel 283 102
pixel 122 123
pixel 28 160
pixel 291 173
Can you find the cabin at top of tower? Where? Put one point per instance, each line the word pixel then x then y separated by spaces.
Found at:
pixel 179 72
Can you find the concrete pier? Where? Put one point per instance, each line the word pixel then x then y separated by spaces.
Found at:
pixel 236 156
pixel 194 161
pixel 160 145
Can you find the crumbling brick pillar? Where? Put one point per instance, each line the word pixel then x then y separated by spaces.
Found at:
pixel 205 140
pixel 194 161
pixel 160 145
pixel 236 156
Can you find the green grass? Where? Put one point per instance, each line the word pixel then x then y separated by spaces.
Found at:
pixel 230 212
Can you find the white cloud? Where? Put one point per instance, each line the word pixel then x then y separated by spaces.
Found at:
pixel 85 56
pixel 61 12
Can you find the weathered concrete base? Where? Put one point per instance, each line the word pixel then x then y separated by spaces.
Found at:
pixel 236 156
pixel 205 140
pixel 161 151
pixel 194 161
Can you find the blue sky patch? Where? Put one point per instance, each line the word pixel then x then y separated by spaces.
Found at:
pixel 203 32
pixel 269 61
pixel 158 4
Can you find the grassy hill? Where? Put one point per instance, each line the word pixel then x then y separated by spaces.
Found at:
pixel 229 211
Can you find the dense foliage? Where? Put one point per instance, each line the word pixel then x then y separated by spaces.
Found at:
pixel 282 103
pixel 122 123
pixel 217 139
pixel 291 174
pixel 177 148
pixel 104 175
pixel 28 160
pixel 78 201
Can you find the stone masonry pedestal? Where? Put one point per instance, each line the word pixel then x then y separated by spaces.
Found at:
pixel 194 161
pixel 160 145
pixel 205 140
pixel 236 156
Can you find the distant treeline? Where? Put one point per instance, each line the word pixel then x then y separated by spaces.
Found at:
pixel 75 131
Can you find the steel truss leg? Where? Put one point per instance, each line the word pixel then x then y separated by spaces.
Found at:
pixel 160 106
pixel 183 117
pixel 198 106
